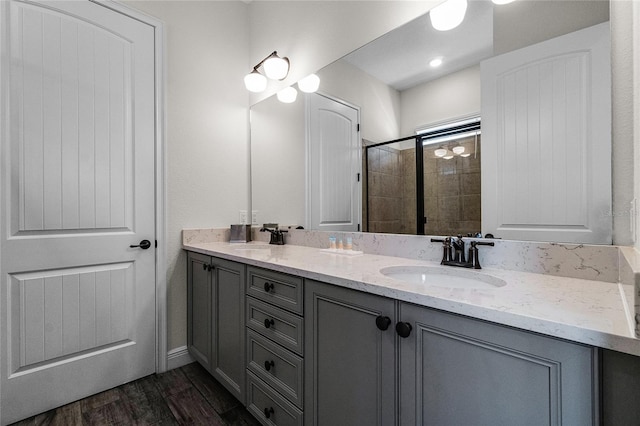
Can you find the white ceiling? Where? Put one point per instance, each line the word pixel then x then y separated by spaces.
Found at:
pixel 401 57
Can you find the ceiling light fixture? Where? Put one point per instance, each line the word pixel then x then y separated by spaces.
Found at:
pixel 287 95
pixel 436 62
pixel 309 84
pixel 448 15
pixel 458 150
pixel 275 67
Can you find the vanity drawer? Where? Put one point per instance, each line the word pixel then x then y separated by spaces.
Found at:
pixel 283 328
pixel 278 367
pixel 263 401
pixel 279 289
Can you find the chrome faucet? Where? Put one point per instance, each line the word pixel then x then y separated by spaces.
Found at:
pixel 453 252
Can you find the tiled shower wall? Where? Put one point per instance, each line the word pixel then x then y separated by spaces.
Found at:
pixel 451 190
pixel 384 180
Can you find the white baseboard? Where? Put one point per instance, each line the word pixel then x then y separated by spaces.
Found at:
pixel 178 357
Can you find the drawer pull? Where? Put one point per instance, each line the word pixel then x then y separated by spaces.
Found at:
pixel 268 286
pixel 268 322
pixel 269 364
pixel 268 412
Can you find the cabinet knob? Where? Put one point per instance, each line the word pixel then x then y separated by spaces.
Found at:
pixel 403 329
pixel 268 322
pixel 268 412
pixel 269 364
pixel 268 286
pixel 383 322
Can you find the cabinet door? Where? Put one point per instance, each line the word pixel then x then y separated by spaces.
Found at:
pixel 349 362
pixel 199 308
pixel 228 325
pixel 459 371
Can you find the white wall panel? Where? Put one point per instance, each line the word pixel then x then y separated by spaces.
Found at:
pixel 63 312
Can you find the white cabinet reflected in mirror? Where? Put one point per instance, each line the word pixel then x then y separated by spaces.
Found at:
pixel 398 98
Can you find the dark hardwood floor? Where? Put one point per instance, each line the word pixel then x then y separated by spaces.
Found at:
pixel 184 396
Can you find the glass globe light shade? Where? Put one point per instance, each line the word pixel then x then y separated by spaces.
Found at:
pixel 287 95
pixel 465 155
pixel 448 157
pixel 440 152
pixel 457 150
pixel 255 82
pixel 448 15
pixel 276 68
pixel 309 84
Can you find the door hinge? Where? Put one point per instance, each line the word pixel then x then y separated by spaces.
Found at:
pixel 358 127
pixel 156 243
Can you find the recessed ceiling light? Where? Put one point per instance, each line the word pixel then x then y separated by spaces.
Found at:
pixel 436 62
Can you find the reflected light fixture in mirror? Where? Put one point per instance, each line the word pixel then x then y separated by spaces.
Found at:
pixel 440 152
pixel 309 84
pixel 448 15
pixel 287 95
pixel 275 68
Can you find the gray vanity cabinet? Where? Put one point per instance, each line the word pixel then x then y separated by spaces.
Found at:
pixel 349 362
pixel 448 370
pixel 216 320
pixel 455 370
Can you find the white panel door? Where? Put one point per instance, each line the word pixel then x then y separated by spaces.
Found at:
pixel 77 303
pixel 546 140
pixel 334 166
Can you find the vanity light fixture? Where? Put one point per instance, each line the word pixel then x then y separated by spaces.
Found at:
pixel 275 68
pixel 309 84
pixel 435 62
pixel 255 82
pixel 458 150
pixel 448 15
pixel 287 95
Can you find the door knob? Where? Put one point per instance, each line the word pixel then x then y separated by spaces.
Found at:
pixel 144 244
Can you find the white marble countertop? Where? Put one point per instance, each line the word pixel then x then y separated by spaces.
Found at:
pixel 585 311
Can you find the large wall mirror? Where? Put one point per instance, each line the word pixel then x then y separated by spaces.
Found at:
pixel 397 94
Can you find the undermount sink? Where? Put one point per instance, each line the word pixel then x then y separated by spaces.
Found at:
pixel 442 277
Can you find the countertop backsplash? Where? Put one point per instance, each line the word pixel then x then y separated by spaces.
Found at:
pixel 590 262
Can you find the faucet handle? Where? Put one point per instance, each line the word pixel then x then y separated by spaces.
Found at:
pixel 473 252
